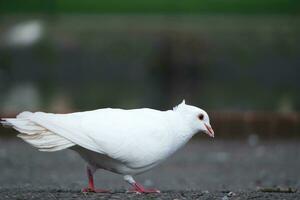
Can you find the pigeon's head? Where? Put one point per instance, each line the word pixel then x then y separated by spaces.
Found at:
pixel 196 118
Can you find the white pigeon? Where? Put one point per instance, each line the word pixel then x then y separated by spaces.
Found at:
pixel 126 142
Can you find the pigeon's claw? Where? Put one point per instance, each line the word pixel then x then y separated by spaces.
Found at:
pixel 93 190
pixel 138 188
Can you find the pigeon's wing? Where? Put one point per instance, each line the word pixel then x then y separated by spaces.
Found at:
pixel 130 136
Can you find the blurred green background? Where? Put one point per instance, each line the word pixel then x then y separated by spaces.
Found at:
pixel 238 56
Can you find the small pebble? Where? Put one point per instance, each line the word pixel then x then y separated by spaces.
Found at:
pixel 225 198
pixel 230 194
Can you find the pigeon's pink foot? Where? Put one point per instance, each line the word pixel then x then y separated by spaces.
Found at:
pixel 88 189
pixel 91 187
pixel 138 188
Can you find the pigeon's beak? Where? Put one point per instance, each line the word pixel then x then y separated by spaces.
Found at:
pixel 209 131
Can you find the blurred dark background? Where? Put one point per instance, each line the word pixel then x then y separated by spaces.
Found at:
pixel 239 60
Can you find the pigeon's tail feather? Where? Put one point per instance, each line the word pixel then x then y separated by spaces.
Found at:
pixel 36 135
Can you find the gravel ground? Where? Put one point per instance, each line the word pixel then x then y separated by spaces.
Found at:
pixel 54 194
pixel 204 169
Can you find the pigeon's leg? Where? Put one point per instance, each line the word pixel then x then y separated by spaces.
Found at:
pixel 91 188
pixel 138 188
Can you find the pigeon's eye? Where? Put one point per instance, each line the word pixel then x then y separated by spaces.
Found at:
pixel 201 116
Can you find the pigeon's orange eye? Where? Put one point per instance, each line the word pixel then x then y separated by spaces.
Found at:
pixel 201 116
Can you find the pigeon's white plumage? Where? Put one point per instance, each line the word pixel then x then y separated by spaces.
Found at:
pixel 123 141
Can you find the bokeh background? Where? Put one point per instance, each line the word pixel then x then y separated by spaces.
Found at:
pixel 237 59
pixel 229 57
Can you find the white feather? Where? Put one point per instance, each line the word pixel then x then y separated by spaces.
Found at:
pixel 35 134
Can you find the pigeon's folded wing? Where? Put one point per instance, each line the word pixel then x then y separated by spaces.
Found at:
pixel 131 136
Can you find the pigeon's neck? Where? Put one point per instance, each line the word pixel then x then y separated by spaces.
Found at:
pixel 179 132
pixel 188 119
pixel 183 124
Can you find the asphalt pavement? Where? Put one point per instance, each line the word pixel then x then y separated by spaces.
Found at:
pixel 203 169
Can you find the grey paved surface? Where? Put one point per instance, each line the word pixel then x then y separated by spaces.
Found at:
pixel 206 169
